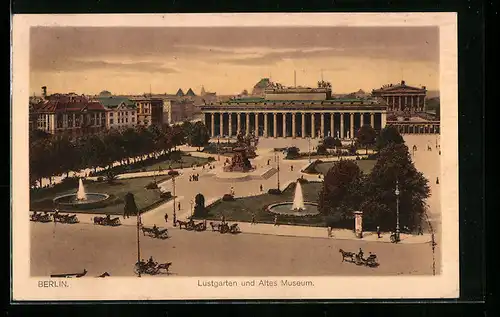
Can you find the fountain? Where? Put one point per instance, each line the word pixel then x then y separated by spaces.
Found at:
pixel 81 199
pixel 296 208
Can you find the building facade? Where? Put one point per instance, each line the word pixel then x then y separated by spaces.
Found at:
pixel 419 127
pixel 149 110
pixel 120 112
pixel 296 119
pixel 75 116
pixel 402 98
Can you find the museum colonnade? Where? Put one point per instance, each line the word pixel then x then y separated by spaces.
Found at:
pixel 292 124
pixel 418 128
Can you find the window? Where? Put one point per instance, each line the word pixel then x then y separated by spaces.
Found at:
pixel 133 119
pixel 126 120
pixel 133 113
pixel 111 121
pixel 111 114
pixel 126 113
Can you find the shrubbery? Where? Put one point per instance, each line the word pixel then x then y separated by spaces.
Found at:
pixel 228 197
pixel 151 185
pixel 274 191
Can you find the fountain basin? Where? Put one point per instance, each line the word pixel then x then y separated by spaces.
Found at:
pixel 285 208
pixel 93 200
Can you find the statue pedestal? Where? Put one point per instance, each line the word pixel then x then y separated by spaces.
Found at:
pixel 358 224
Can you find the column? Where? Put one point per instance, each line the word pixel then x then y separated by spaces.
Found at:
pixel 322 133
pixel 362 119
pixel 332 129
pixel 230 124
pixel 372 120
pixel 257 124
pixel 351 127
pixel 303 124
pixel 212 125
pixel 238 123
pixel 294 128
pixel 247 128
pixel 393 103
pixel 412 102
pixel 399 106
pixel 275 127
pixel 265 125
pixel 383 119
pixel 425 105
pixel 283 115
pixel 221 126
pixel 313 126
pixel 341 125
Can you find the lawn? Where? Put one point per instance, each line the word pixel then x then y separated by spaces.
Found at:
pixel 366 166
pixel 241 209
pixel 154 164
pixel 144 198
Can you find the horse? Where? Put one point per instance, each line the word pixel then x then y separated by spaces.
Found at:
pixel 146 229
pixel 215 226
pixel 104 274
pixel 346 254
pixel 98 220
pixel 164 266
pixel 182 223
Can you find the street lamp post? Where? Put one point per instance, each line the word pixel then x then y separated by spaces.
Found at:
pixel 173 194
pixel 278 168
pixel 397 210
pixel 218 152
pixel 309 147
pixel 192 211
pixel 138 243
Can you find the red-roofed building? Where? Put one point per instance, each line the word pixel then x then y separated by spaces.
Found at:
pixel 69 113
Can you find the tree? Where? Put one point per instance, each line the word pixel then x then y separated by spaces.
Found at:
pixel 292 152
pixel 130 208
pixel 187 130
pixel 199 208
pixel 199 135
pixel 331 142
pixel 321 149
pixel 394 164
pixel 114 144
pixel 388 135
pixel 366 136
pixel 342 191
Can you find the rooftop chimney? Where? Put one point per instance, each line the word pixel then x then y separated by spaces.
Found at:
pixel 402 82
pixel 44 92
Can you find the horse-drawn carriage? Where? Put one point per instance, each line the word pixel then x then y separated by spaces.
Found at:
pixel 225 227
pixel 107 221
pixel 40 217
pixel 191 225
pixel 65 218
pixel 151 268
pixel 155 232
pixel 358 259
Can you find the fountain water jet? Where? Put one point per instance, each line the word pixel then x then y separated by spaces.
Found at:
pixel 81 195
pixel 298 199
pixel 297 208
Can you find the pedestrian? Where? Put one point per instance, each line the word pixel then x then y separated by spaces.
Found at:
pixel 420 231
pixel 439 152
pixel 329 231
pixel 179 206
pixel 268 161
pixel 275 220
pixel 232 190
pixel 223 219
pixel 291 168
pixel 189 177
pixel 253 218
pixel 378 232
pixel 166 218
pixel 437 180
pixel 261 187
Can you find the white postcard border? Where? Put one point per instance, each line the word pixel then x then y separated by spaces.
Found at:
pixel 445 285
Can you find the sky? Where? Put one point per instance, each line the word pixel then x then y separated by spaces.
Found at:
pixel 227 60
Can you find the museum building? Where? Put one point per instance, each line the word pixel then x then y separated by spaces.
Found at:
pixel 295 112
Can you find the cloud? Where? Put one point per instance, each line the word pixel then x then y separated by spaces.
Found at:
pixel 79 65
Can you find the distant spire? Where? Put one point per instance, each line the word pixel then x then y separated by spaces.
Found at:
pixel 295 78
pixel 321 74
